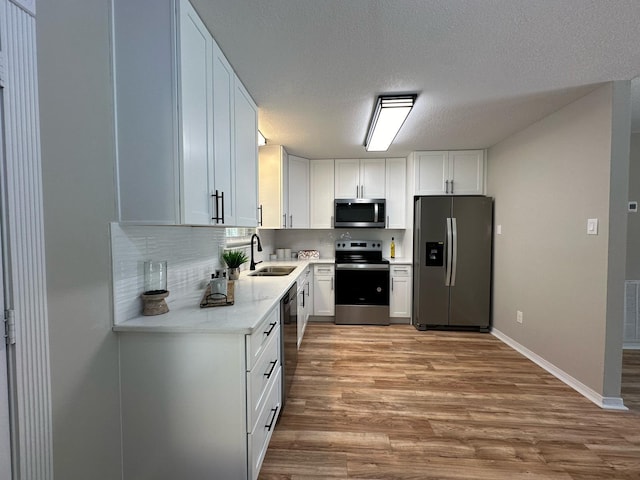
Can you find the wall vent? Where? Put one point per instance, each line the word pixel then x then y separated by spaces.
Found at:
pixel 632 314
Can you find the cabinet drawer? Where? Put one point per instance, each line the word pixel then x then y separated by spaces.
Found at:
pixel 324 270
pixel 259 439
pixel 257 341
pixel 400 271
pixel 261 377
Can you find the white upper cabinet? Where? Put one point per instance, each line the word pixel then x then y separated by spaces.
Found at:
pixel 458 172
pixel 372 178
pixel 284 188
pixel 363 178
pixel 466 172
pixel 347 178
pixel 298 192
pixel 246 158
pixel 223 129
pixel 181 138
pixel 273 174
pixel 197 117
pixel 321 187
pixel 396 188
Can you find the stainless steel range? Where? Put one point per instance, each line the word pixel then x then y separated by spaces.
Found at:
pixel 362 283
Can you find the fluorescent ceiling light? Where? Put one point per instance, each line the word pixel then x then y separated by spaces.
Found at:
pixel 261 140
pixel 389 115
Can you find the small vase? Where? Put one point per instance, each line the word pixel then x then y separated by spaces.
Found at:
pixel 234 273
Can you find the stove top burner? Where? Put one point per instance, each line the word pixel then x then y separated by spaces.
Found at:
pixel 359 251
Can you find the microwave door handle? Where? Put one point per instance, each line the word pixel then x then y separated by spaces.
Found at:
pixel 375 212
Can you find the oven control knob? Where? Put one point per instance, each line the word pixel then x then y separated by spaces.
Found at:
pixel 379 289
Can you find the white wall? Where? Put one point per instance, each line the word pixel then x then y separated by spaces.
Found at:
pixel 79 202
pixel 547 181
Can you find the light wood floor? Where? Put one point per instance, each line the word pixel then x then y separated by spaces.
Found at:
pixel 395 403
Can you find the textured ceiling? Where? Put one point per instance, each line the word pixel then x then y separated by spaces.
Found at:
pixel 483 69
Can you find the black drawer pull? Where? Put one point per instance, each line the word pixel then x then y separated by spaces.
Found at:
pixel 273 419
pixel 268 332
pixel 273 366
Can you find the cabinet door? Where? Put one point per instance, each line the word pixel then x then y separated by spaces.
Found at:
pixel 298 185
pixel 197 128
pixel 466 170
pixel 323 291
pixel 246 157
pixel 372 178
pixel 223 160
pixel 321 187
pixel 146 66
pixel 400 298
pixel 271 184
pixel 396 188
pixel 347 178
pixel 300 317
pixel 431 173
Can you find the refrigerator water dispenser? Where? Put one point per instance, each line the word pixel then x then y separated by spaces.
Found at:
pixel 435 254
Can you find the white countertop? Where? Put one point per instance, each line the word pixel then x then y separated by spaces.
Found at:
pixel 254 297
pixel 399 261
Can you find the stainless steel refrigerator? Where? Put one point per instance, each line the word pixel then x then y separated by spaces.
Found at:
pixel 452 249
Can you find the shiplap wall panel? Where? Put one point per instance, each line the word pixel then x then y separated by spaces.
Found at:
pixel 26 263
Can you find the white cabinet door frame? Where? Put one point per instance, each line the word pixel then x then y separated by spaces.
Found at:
pixel 401 289
pixel 298 192
pixel 321 188
pixel 396 190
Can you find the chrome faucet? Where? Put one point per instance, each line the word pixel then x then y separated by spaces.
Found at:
pixel 253 264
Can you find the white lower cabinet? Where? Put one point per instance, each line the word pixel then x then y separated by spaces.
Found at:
pixel 305 301
pixel 324 290
pixel 401 285
pixel 199 405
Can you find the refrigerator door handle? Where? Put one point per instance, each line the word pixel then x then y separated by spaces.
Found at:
pixel 454 261
pixel 449 245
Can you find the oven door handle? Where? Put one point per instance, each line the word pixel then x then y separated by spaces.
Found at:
pixel 362 266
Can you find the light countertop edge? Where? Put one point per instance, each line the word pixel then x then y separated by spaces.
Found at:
pixel 399 261
pixel 254 298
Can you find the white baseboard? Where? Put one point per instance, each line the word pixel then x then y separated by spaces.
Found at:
pixel 608 403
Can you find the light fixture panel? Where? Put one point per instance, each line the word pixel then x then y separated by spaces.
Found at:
pixel 388 117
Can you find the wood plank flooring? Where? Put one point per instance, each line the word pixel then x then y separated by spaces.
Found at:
pixel 394 403
pixel 631 379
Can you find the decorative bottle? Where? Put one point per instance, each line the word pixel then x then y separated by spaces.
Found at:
pixel 393 248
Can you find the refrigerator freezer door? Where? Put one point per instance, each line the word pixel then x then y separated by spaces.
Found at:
pixel 430 292
pixel 470 294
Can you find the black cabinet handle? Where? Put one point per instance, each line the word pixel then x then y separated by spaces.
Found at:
pixel 269 426
pixel 219 218
pixel 268 332
pixel 273 366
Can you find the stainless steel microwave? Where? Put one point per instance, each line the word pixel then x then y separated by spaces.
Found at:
pixel 359 212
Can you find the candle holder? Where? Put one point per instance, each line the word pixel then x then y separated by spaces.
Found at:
pixel 155 288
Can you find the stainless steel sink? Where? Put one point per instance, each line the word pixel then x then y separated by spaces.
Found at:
pixel 274 271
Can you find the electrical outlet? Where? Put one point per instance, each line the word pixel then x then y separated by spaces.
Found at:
pixel 518 316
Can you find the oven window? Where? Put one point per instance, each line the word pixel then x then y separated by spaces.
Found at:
pixel 362 287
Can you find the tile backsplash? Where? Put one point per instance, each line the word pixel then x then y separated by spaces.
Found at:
pixel 192 254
